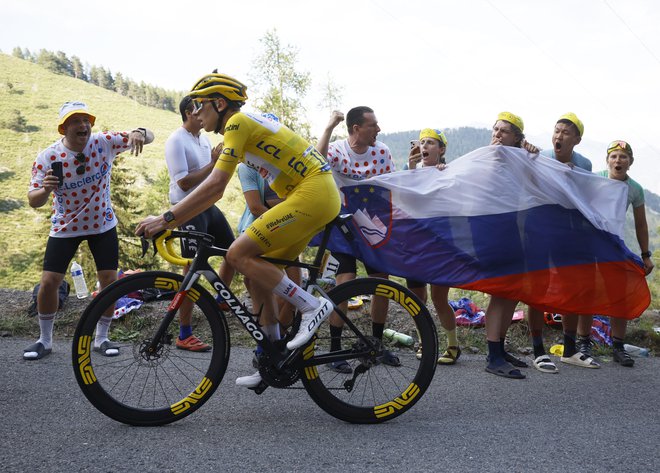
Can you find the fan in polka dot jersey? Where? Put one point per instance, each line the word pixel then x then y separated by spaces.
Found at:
pixel 76 171
pixel 359 156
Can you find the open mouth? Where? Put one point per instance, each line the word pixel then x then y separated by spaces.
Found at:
pixel 557 146
pixel 617 168
pixel 425 154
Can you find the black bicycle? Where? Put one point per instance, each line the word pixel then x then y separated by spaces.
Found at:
pixel 152 382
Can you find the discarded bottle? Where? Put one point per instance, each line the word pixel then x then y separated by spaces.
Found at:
pixel 635 350
pixel 79 281
pixel 399 337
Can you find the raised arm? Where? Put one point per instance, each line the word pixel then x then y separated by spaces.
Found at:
pixel 335 119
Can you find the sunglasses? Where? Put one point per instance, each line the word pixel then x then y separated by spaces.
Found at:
pixel 619 144
pixel 80 163
pixel 198 104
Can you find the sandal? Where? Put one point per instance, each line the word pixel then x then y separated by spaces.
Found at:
pixel 544 364
pixel 107 348
pixel 389 358
pixel 506 370
pixel 340 366
pixel 580 359
pixel 518 363
pixel 39 351
pixel 450 356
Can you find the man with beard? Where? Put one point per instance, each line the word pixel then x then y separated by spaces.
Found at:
pixel 77 169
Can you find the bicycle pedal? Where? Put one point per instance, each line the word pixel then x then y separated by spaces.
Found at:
pixel 259 388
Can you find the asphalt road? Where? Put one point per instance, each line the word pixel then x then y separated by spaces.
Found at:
pixel 579 420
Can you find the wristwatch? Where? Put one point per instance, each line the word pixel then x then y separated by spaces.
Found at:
pixel 646 254
pixel 169 216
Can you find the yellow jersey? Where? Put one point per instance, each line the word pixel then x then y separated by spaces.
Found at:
pixel 281 157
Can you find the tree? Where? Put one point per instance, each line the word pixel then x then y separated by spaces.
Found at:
pixel 332 95
pixel 18 52
pixel 78 68
pixel 280 85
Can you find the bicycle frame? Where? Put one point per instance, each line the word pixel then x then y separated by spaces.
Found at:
pixel 200 267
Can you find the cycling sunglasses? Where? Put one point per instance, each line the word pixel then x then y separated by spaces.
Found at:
pixel 199 103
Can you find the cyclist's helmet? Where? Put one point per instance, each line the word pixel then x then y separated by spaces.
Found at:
pixel 216 85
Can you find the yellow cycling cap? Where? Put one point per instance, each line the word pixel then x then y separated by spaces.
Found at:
pixel 512 118
pixel 435 134
pixel 571 117
pixel 72 108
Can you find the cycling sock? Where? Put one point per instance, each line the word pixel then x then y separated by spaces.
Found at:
pixel 102 328
pixel 335 337
pixel 46 322
pixel 452 339
pixel 377 330
pixel 537 343
pixel 185 331
pixel 569 344
pixel 291 292
pixel 617 343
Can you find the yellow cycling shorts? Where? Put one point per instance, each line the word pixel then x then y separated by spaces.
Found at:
pixel 285 230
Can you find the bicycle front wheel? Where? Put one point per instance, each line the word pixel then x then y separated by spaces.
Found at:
pixel 372 386
pixel 150 387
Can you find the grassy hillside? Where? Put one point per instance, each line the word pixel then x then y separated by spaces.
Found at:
pixel 38 95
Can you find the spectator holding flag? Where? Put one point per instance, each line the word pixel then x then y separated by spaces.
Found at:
pixel 429 151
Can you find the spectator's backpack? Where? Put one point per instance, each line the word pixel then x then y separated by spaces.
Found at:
pixel 62 295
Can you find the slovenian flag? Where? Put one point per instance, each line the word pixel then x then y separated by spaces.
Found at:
pixel 504 222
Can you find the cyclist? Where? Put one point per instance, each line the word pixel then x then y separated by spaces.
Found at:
pixel 294 169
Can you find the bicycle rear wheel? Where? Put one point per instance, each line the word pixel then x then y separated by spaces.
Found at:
pixel 374 391
pixel 142 388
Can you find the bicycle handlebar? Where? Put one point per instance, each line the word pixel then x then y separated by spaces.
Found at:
pixel 164 245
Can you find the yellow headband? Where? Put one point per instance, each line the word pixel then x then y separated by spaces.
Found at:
pixel 435 134
pixel 513 119
pixel 571 117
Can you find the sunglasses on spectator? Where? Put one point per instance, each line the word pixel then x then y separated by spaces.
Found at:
pixel 619 144
pixel 80 163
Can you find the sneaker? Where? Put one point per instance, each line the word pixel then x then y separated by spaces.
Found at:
pixel 619 355
pixel 310 322
pixel 584 345
pixel 192 343
pixel 251 381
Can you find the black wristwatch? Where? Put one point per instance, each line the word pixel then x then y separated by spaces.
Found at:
pixel 646 254
pixel 169 216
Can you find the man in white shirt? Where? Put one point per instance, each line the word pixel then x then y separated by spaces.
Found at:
pixel 190 159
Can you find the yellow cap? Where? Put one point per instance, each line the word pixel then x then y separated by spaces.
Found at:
pixel 435 134
pixel 513 119
pixel 571 117
pixel 72 108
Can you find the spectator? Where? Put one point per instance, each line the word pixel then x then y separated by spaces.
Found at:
pixel 81 210
pixel 359 156
pixel 190 159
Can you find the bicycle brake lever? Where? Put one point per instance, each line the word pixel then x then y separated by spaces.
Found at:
pixel 145 246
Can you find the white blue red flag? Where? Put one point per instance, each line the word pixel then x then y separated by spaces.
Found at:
pixel 501 221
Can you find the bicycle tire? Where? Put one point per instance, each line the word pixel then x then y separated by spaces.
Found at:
pixel 142 390
pixel 382 392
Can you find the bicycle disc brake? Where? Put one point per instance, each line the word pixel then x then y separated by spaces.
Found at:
pixel 144 357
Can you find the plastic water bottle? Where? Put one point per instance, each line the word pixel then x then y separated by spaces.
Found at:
pixel 402 338
pixel 79 281
pixel 635 350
